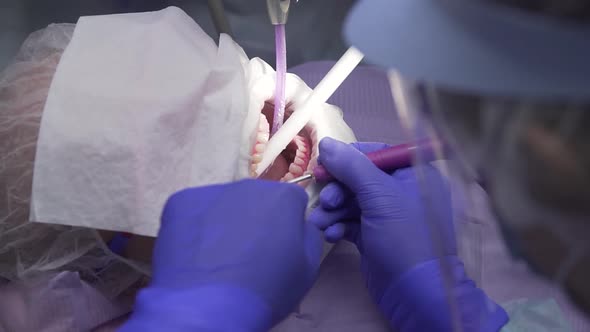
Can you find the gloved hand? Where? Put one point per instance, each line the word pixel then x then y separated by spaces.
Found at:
pixel 232 257
pixel 407 246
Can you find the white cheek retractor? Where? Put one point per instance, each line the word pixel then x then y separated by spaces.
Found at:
pixel 301 117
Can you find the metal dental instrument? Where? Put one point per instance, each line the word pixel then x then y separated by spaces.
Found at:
pixel 388 160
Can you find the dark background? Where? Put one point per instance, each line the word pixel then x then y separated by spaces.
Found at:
pixel 313 30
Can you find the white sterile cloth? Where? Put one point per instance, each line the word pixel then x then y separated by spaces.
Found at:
pixel 133 115
pixel 143 105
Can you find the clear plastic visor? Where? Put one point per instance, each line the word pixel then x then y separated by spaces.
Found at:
pixel 532 157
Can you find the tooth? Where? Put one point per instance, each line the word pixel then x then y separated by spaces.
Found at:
pixel 259 148
pixel 288 177
pixel 263 123
pixel 302 148
pixel 256 158
pixel 262 137
pixel 300 154
pixel 295 169
pixel 299 161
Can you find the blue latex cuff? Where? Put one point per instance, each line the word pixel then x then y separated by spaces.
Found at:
pixel 210 308
pixel 420 301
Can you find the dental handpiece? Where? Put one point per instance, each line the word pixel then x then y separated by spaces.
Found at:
pixel 387 160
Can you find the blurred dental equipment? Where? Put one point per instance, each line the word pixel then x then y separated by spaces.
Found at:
pixel 301 117
pixel 219 18
pixel 278 11
pixel 388 159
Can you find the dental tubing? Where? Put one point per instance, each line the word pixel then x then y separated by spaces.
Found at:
pixel 281 76
pixel 301 117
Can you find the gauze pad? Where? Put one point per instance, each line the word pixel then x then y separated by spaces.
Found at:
pixel 131 117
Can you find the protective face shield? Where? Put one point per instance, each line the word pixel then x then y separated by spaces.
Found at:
pixel 532 159
pixel 502 89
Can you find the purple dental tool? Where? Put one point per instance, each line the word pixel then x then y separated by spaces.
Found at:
pixel 281 73
pixel 387 160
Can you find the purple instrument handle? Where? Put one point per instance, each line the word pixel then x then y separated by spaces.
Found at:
pixel 389 159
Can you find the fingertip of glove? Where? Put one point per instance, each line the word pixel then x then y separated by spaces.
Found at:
pixel 335 232
pixel 328 145
pixel 331 150
pixel 315 218
pixel 326 142
pixel 325 147
pixel 332 196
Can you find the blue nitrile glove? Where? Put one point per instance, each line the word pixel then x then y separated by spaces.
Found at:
pixel 232 257
pixel 385 217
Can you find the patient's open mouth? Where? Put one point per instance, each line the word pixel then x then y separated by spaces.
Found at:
pixel 294 160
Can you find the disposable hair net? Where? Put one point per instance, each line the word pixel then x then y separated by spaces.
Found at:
pixel 29 249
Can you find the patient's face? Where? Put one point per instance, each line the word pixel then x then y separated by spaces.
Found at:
pixel 22 103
